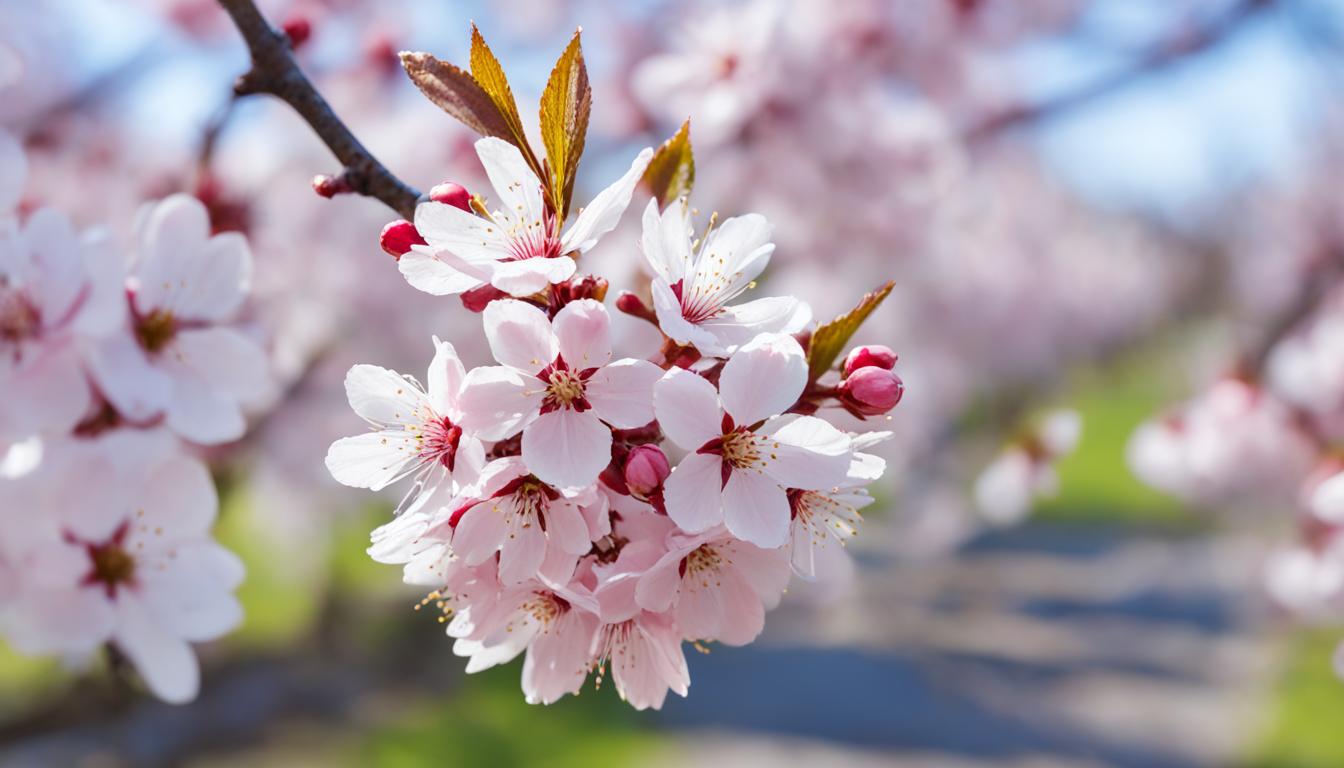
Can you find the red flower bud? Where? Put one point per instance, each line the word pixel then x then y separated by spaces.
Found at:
pixel 581 287
pixel 452 194
pixel 646 467
pixel 331 186
pixel 298 29
pixel 477 298
pixel 398 237
pixel 632 305
pixel 872 391
pixel 874 355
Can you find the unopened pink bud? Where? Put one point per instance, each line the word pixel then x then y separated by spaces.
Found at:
pixel 398 237
pixel 872 391
pixel 645 470
pixel 298 29
pixel 452 194
pixel 331 186
pixel 874 355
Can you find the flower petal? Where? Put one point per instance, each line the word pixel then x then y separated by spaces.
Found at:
pixel 736 325
pixel 756 509
pixel 622 392
pixel 526 277
pixel 515 183
pixel 763 378
pixel 497 402
pixel 166 662
pixel 439 275
pixel 604 212
pixel 693 493
pixel 583 330
pixel 520 335
pixel 687 407
pixel 566 448
pixel 806 452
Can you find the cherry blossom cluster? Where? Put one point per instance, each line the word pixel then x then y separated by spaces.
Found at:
pixel 585 509
pixel 111 368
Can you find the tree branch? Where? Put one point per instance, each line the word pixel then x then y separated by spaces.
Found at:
pixel 274 71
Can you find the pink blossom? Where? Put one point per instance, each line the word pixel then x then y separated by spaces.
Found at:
pixel 519 249
pixel 415 430
pixel 717 587
pixel 58 290
pixel 694 282
pixel 522 518
pixel 559 386
pixel 181 357
pixel 122 556
pixel 742 458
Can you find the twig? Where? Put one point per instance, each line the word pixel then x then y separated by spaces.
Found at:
pixel 1177 49
pixel 275 72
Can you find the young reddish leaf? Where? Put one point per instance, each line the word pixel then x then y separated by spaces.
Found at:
pixel 456 93
pixel 829 340
pixel 565 106
pixel 671 172
pixel 488 73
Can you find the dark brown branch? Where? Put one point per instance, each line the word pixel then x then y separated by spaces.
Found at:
pixel 1182 46
pixel 275 72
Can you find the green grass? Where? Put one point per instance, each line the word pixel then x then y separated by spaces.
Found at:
pixel 488 723
pixel 1095 482
pixel 1306 718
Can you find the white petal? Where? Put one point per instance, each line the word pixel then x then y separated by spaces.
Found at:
pixel 520 335
pixel 48 393
pixel 604 212
pixel 178 499
pixel 756 509
pixel 517 186
pixel 466 235
pixel 566 448
pixel 806 452
pixel 739 324
pixel 224 359
pixel 666 239
pixel 736 251
pixel 433 274
pixel 688 408
pixel 497 401
pixel 667 308
pixel 526 277
pixel 583 330
pixel 1327 500
pixel 166 662
pixel 445 379
pixel 763 378
pixel 372 460
pixel 126 378
pixel 185 271
pixel 622 392
pixel 382 396
pixel 693 493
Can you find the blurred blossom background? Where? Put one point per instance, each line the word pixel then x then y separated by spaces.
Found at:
pixel 1114 227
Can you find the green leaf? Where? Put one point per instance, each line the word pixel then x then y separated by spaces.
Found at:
pixel 566 104
pixel 488 73
pixel 457 93
pixel 671 172
pixel 829 340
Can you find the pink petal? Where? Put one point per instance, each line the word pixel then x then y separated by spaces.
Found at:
pixel 178 500
pixel 445 379
pixel 165 661
pixel 756 509
pixel 127 379
pixel 526 277
pixel 692 493
pixel 583 329
pixel 658 587
pixel 566 527
pixel 806 452
pixel 497 401
pixel 521 557
pixel 604 212
pixel 622 393
pixel 687 407
pixel 481 531
pixel 763 378
pixel 520 335
pixel 566 448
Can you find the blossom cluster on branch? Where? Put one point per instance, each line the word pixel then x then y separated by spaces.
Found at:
pixel 110 367
pixel 584 509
